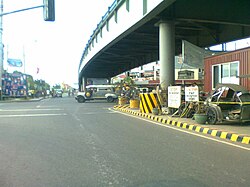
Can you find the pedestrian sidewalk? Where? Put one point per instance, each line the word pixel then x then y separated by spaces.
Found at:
pixel 229 131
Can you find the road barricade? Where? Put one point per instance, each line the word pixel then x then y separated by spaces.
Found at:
pixel 148 101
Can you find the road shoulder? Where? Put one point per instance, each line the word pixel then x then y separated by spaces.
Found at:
pixel 224 132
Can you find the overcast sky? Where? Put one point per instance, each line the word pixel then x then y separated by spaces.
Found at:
pixel 53 47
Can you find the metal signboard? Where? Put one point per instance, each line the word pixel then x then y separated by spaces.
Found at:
pixel 174 96
pixel 192 93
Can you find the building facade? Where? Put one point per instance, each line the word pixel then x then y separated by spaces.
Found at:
pixel 230 67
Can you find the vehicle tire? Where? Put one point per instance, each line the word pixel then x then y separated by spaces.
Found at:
pixel 211 116
pixel 110 99
pixel 80 99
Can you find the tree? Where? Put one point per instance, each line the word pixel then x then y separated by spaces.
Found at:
pixel 31 83
pixel 128 88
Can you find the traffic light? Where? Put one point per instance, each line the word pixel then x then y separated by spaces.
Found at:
pixel 49 10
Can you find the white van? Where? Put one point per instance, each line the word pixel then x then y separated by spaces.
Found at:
pixel 100 92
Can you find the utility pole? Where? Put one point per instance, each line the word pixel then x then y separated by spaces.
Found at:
pixel 1 49
pixel 24 70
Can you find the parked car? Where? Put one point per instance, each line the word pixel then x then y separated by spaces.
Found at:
pixel 97 92
pixel 229 102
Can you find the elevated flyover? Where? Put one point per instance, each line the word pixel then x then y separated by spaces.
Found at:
pixel 134 33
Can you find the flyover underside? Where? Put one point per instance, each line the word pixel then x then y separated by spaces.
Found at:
pixel 130 52
pixel 203 23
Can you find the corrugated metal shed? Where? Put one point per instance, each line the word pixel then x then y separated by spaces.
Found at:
pixel 242 55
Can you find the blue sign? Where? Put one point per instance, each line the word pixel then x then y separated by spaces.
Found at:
pixel 15 62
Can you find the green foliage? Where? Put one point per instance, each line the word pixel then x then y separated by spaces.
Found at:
pixel 30 81
pixel 127 88
pixel 17 72
pixel 47 86
pixel 128 81
pixel 57 86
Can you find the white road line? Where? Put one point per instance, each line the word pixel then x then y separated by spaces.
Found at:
pixel 26 110
pixel 81 125
pixel 93 113
pixel 76 118
pixel 185 131
pixel 31 115
pixel 46 106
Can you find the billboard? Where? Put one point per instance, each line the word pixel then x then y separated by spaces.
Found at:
pixel 14 85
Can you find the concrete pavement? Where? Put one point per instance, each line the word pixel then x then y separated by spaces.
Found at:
pixel 59 142
pixel 10 100
pixel 233 132
pixel 230 131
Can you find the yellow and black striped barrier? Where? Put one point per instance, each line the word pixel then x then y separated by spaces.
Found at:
pixel 148 101
pixel 121 106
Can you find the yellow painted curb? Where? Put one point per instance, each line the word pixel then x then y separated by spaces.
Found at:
pixel 245 139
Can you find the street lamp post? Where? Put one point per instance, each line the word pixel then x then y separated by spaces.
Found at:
pixel 1 48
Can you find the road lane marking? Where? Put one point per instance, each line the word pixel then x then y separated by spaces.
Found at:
pixel 27 110
pixel 82 127
pixel 187 132
pixel 94 113
pixel 30 115
pixel 46 106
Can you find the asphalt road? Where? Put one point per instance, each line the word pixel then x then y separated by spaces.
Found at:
pixel 58 142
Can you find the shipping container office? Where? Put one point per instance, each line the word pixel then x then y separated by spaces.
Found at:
pixel 230 67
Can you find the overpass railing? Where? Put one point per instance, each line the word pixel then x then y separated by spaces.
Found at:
pixel 121 15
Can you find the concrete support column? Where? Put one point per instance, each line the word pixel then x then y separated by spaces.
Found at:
pixel 167 53
pixel 84 83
